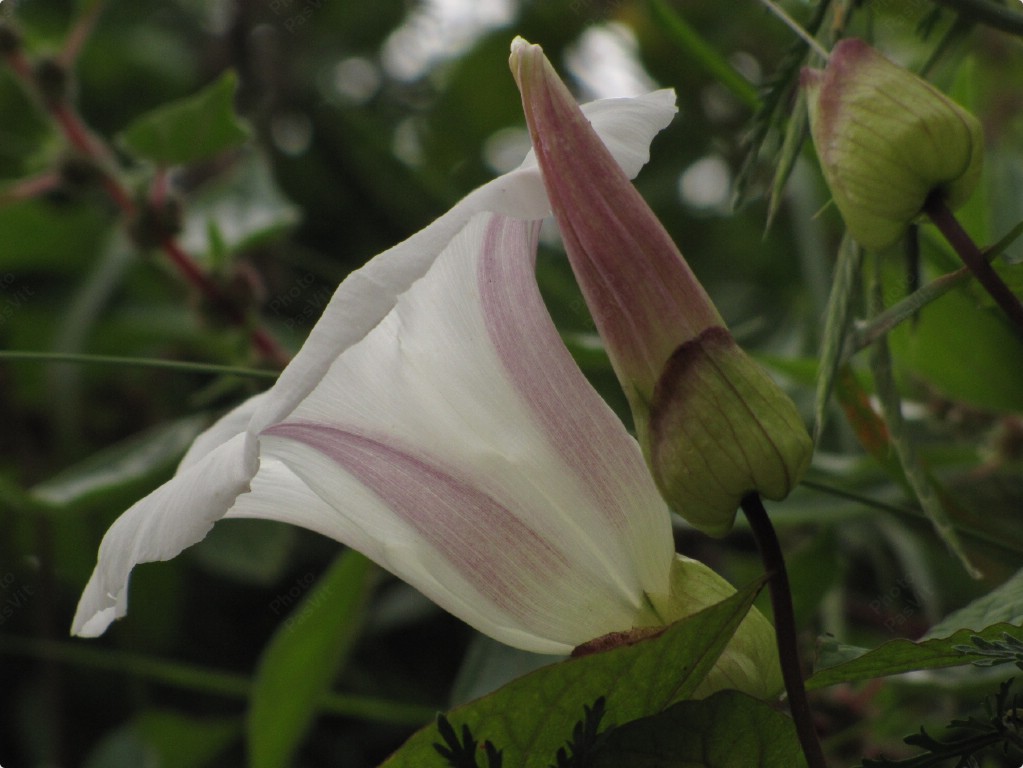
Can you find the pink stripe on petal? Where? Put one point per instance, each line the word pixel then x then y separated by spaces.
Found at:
pixel 585 432
pixel 484 541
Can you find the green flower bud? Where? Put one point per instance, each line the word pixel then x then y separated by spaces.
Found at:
pixel 886 140
pixel 712 425
pixel 720 429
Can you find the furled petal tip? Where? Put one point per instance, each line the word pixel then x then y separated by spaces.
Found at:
pixel 643 297
pixel 712 424
pixel 886 140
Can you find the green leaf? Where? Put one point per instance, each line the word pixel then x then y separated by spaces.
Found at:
pixel 796 131
pixel 165 739
pixel 123 469
pixel 488 665
pixel 530 718
pixel 1003 604
pixel 901 655
pixel 727 730
pixel 190 129
pixel 186 742
pixel 836 325
pixel 302 659
pixel 39 236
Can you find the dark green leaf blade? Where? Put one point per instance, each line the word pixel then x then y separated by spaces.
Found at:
pixel 901 655
pixel 534 715
pixel 1004 604
pixel 836 326
pixel 190 129
pixel 183 741
pixel 301 660
pixel 727 730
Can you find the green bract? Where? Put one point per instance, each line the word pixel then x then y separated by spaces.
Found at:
pixel 886 140
pixel 719 429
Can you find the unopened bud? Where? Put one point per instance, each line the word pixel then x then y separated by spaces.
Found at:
pixel 712 425
pixel 886 140
pixel 53 79
pixel 720 429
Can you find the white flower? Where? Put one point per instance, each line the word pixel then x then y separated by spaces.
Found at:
pixel 435 421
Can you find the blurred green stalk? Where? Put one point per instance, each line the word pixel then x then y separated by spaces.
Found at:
pixel 136 362
pixel 206 680
pixel 703 54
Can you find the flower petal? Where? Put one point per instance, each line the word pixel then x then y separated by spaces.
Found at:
pixel 362 300
pixel 524 503
pixel 581 427
pixel 232 423
pixel 174 516
pixel 221 462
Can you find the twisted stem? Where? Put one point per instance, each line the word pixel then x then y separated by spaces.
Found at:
pixel 784 628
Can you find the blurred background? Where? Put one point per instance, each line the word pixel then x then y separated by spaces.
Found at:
pixel 367 121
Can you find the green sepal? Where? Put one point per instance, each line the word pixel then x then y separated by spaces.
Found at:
pixel 720 429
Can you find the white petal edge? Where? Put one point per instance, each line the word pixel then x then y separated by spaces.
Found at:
pixel 175 516
pixel 368 294
pixel 232 423
pixel 222 461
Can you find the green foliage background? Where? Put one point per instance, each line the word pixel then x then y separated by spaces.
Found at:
pixel 311 183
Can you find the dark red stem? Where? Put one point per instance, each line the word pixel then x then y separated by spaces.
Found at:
pixel 77 134
pixel 973 258
pixel 784 628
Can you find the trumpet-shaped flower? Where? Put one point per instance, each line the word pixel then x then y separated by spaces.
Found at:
pixel 458 445
pixel 435 421
pixel 713 426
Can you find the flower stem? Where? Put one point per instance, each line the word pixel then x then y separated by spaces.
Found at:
pixel 992 14
pixel 7 355
pixel 784 628
pixel 973 258
pixel 205 680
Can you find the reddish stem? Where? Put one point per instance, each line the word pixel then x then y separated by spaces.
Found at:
pixel 21 66
pixel 973 258
pixel 88 145
pixel 263 341
pixel 80 33
pixel 27 189
pixel 784 628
